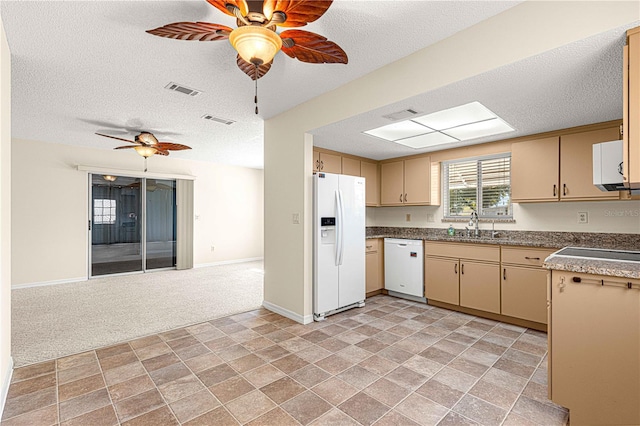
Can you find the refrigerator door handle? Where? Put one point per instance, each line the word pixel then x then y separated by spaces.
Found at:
pixel 340 223
pixel 338 228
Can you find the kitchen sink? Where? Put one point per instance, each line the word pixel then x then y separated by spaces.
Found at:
pixel 600 254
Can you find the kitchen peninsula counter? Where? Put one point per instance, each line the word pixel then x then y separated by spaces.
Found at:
pixel 544 239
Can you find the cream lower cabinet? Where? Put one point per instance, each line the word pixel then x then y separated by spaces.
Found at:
pixel 441 280
pixel 467 275
pixel 594 347
pixel 480 286
pixel 524 283
pixel 373 265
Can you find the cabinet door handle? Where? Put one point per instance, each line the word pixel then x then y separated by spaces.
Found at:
pixel 455 268
pixel 555 190
pixel 462 269
pixel 400 197
pixel 321 165
pixel 504 273
pixel 531 258
pixel 564 189
pixel 405 198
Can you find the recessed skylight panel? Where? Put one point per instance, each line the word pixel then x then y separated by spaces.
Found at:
pixel 400 130
pixel 457 116
pixel 424 141
pixel 480 129
pixel 461 123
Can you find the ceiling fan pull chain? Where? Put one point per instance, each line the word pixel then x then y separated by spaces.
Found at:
pixel 255 99
pixel 145 164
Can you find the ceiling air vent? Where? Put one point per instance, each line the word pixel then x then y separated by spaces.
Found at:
pixel 182 89
pixel 218 119
pixel 401 115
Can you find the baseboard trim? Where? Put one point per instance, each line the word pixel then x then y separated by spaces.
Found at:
pixel 302 319
pixel 228 262
pixel 46 283
pixel 5 386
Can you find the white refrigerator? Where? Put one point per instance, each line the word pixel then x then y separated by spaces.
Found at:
pixel 338 243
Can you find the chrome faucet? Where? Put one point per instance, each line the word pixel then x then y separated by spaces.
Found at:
pixel 474 222
pixel 494 234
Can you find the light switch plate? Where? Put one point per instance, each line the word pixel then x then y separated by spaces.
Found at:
pixel 408 217
pixel 583 217
pixel 295 218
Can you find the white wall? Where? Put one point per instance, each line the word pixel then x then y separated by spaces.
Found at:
pixel 6 363
pixel 525 30
pixel 604 216
pixel 50 210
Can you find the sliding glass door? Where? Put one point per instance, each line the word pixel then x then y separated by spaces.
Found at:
pixel 161 224
pixel 133 224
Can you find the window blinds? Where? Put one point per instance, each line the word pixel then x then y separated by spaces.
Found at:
pixel 481 184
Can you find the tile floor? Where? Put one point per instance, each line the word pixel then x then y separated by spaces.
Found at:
pixel 393 362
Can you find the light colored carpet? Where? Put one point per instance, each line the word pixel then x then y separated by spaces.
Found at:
pixel 59 320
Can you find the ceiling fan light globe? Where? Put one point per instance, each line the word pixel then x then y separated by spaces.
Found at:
pixel 145 151
pixel 256 45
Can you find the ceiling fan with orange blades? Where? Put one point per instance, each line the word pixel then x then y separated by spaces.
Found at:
pixel 147 145
pixel 256 39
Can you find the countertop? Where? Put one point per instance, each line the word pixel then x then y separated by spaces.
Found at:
pixel 622 269
pixel 553 240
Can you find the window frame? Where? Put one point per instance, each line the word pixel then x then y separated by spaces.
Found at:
pixel 111 210
pixel 479 174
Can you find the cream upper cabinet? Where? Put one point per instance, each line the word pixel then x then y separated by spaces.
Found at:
pixel 350 166
pixel 417 181
pixel 392 183
pixel 631 110
pixel 534 170
pixel 406 182
pixel 558 168
pixel 326 162
pixel 576 165
pixel 369 171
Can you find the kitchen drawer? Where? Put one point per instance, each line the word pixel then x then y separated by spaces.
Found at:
pixel 372 244
pixel 463 251
pixel 525 256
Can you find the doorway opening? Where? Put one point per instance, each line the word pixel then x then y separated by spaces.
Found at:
pixel 132 223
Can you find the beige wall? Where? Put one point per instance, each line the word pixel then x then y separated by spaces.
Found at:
pixel 523 31
pixel 604 216
pixel 50 210
pixel 5 217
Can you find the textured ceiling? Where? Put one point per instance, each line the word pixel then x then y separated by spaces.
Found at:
pixel 85 67
pixel 573 85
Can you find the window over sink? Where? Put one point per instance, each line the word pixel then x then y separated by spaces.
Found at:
pixel 481 184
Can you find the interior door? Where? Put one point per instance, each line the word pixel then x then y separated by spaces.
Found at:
pixel 116 225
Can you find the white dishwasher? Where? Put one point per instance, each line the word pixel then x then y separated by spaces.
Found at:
pixel 404 267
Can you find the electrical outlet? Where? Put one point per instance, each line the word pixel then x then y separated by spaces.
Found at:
pixel 583 217
pixel 431 218
pixel 213 248
pixel 408 217
pixel 295 218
